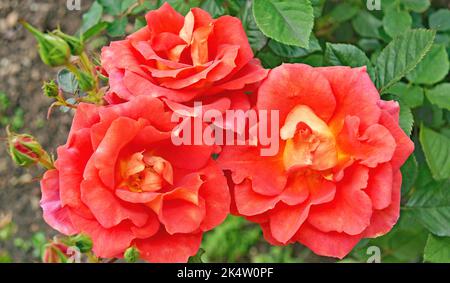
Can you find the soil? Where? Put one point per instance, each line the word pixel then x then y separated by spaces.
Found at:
pixel 21 77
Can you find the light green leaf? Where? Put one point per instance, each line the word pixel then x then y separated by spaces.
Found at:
pixel 411 95
pixel 289 51
pixel 437 249
pixel 112 7
pixel 433 68
pixel 92 17
pixel 436 148
pixel 406 119
pixel 401 55
pixel 396 22
pixel 94 30
pixel 418 6
pixel 67 81
pixel 289 22
pixel 440 20
pixel 366 24
pixel 440 95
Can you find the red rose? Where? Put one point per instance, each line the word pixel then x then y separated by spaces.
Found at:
pixel 120 180
pixel 181 58
pixel 336 178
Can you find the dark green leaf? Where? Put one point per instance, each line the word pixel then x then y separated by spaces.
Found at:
pixel 347 55
pixel 289 51
pixel 289 22
pixel 406 119
pixel 440 95
pixel 418 6
pixel 411 95
pixel 117 28
pixel 214 7
pixel 433 68
pixel 256 38
pixel 436 148
pixel 440 20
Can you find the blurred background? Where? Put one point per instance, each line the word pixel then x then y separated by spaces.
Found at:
pixel 22 105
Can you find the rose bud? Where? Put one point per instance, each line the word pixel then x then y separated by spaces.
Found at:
pixel 54 51
pixel 131 255
pixel 50 89
pixel 82 242
pixel 26 151
pixel 55 252
pixel 75 44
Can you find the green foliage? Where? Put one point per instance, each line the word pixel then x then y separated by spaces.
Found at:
pixel 437 249
pixel 289 22
pixel 231 241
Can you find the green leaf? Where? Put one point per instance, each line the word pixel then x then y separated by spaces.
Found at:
pixel 182 6
pixel 433 68
pixel 256 38
pixel 440 20
pixel 91 17
pixel 369 44
pixel 126 4
pixel 409 172
pixel 112 7
pixel 67 81
pixel 289 51
pixel 198 257
pixel 411 95
pixel 396 22
pixel 366 24
pixel 94 30
pixel 289 22
pixel 343 12
pixel 440 95
pixel 347 55
pixel 436 148
pixel 430 203
pixel 418 6
pixel 437 249
pixel 401 55
pixel 117 28
pixel 406 120
pixel 214 8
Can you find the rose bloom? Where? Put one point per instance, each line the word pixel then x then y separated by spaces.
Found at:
pixel 120 180
pixel 336 178
pixel 181 58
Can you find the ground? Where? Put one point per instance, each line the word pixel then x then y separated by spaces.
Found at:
pixel 21 77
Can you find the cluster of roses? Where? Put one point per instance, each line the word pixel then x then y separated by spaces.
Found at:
pixel 120 180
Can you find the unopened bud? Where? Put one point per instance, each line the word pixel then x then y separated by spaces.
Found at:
pixel 50 89
pixel 54 51
pixel 55 252
pixel 75 44
pixel 26 151
pixel 82 242
pixel 131 255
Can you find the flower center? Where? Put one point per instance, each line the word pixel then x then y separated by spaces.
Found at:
pixel 309 141
pixel 143 172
